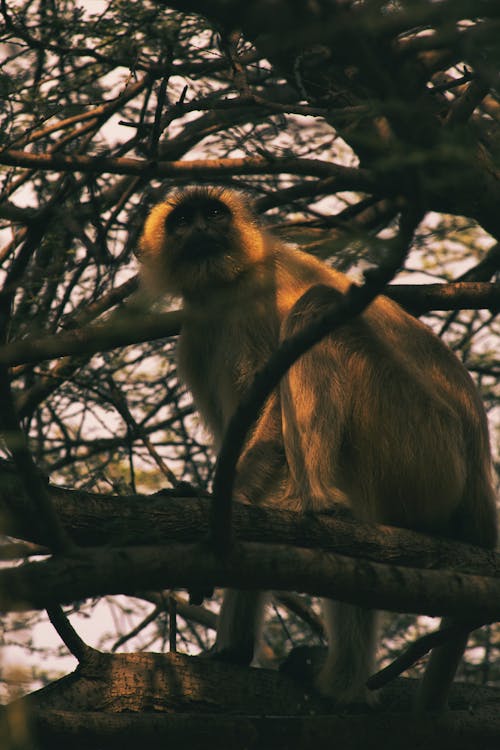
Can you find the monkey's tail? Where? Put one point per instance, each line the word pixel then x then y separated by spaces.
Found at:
pixel 433 689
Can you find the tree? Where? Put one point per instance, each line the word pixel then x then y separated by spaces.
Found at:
pixel 336 117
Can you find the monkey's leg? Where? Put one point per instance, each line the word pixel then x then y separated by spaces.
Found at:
pixel 239 625
pixel 352 635
pixel 435 685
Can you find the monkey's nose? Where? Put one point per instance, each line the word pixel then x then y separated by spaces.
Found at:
pixel 200 224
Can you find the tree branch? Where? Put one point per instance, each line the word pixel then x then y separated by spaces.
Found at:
pixel 250 565
pixel 204 704
pixel 114 520
pixel 125 329
pixel 462 730
pixel 464 295
pixel 418 649
pixel 68 634
pixel 122 329
pixel 350 178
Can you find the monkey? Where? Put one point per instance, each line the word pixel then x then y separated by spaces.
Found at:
pixel 380 416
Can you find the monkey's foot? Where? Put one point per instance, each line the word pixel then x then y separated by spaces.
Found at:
pixel 303 664
pixel 344 689
pixel 306 665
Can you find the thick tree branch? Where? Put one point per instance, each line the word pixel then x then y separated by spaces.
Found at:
pixel 200 703
pixel 465 295
pixel 122 329
pixel 249 565
pixel 203 704
pixel 114 520
pixel 462 730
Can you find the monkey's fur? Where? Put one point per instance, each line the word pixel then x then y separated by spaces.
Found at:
pixel 380 415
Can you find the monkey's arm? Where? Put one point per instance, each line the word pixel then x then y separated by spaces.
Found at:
pixel 262 469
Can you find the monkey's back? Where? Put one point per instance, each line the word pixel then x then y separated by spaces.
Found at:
pixel 392 422
pixel 380 415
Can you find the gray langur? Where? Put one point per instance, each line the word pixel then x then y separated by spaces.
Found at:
pixel 380 416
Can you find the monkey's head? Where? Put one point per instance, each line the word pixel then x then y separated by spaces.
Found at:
pixel 199 239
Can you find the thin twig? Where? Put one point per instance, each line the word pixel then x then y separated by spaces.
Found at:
pixel 34 483
pixel 172 621
pixel 417 650
pixel 68 634
pixel 151 617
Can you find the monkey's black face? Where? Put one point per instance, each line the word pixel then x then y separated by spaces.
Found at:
pixel 199 228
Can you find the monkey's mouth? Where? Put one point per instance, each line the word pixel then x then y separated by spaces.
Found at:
pixel 203 248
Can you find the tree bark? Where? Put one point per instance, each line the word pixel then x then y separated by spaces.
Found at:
pixel 125 700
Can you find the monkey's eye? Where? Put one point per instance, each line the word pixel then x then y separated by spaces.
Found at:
pixel 217 212
pixel 181 220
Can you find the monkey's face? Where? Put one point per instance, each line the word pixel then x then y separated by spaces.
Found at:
pixel 199 229
pixel 198 240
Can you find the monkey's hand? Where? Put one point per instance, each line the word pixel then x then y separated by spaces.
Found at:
pixel 241 655
pixel 183 489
